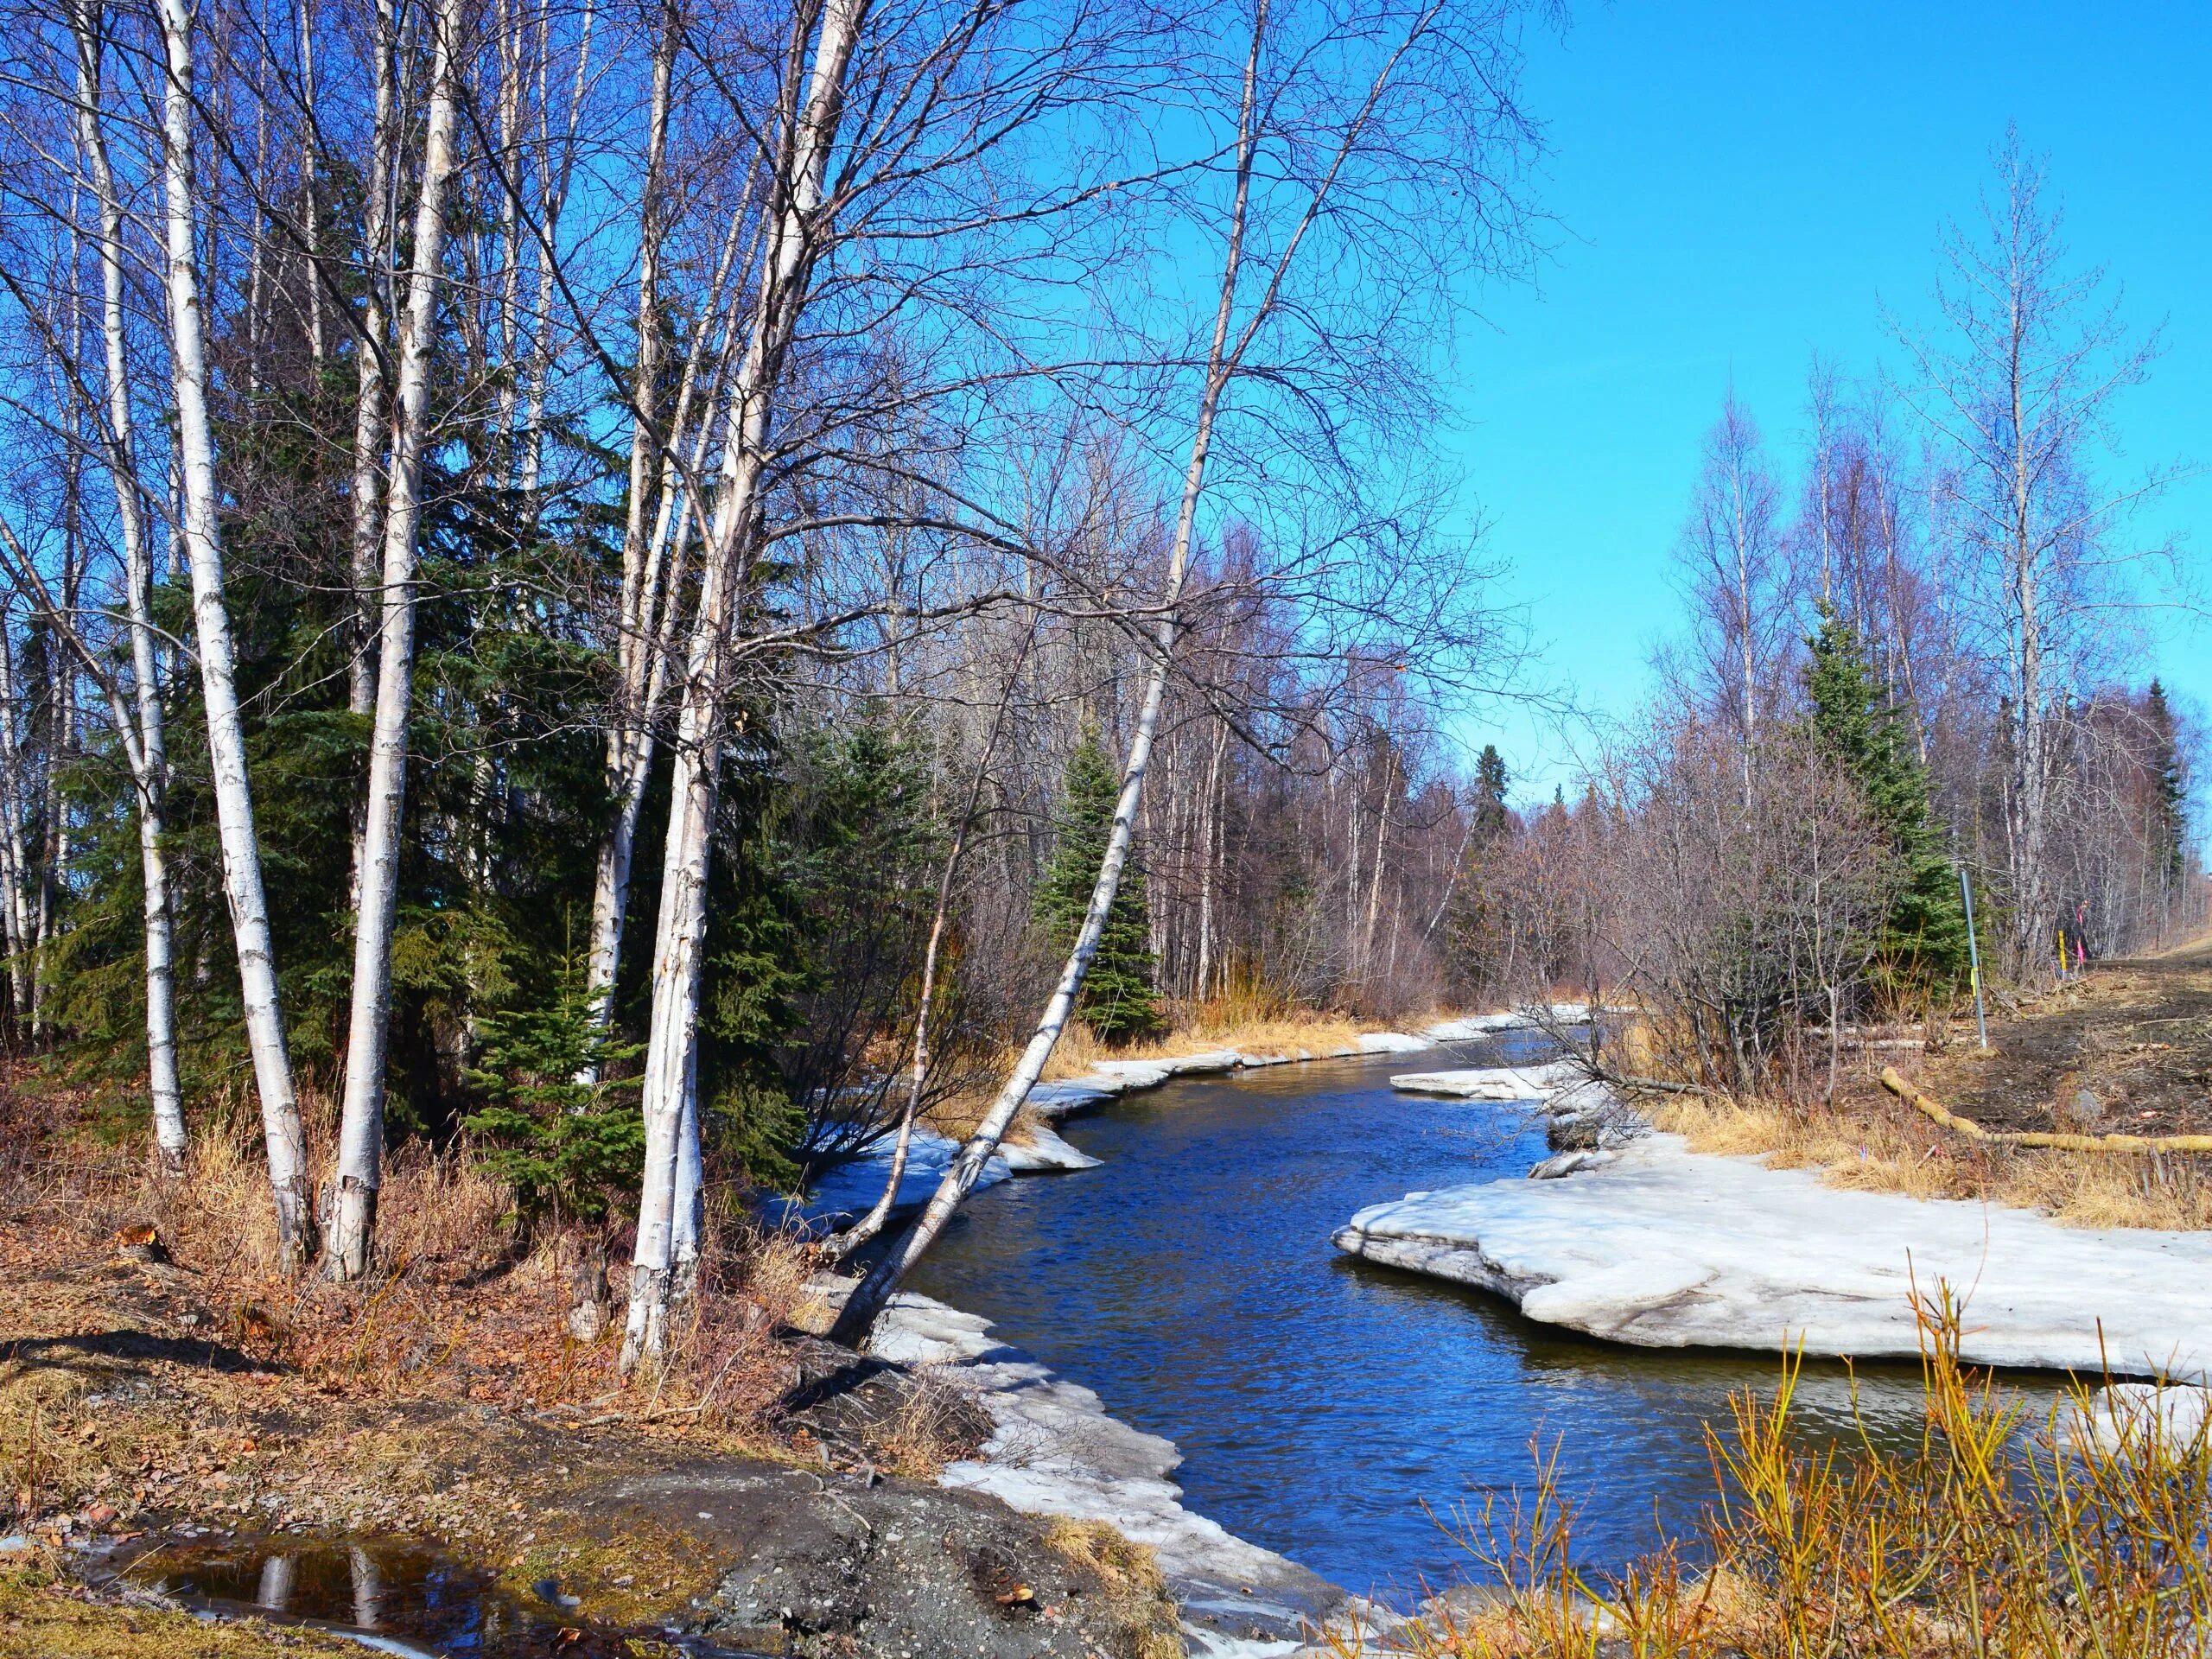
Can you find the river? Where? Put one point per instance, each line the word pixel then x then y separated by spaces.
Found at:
pixel 1333 1411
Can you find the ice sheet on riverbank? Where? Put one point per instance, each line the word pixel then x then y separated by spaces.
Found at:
pixel 1055 1451
pixel 1530 1084
pixel 1666 1249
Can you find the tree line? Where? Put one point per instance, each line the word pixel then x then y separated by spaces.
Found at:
pixel 1913 732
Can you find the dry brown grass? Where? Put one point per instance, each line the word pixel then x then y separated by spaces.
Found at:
pixel 43 1616
pixel 1301 1034
pixel 1868 1149
pixel 453 1312
pixel 1130 1574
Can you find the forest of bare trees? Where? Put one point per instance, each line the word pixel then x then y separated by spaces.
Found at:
pixel 563 563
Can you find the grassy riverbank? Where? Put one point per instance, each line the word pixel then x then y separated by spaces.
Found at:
pixel 2127 1047
pixel 1298 1033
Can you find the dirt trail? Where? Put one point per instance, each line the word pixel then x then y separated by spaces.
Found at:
pixel 2126 1048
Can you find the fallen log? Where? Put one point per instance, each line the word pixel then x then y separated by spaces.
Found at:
pixel 2058 1142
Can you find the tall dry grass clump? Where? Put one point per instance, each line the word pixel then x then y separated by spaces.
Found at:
pixel 1249 1027
pixel 1875 1152
pixel 2082 1536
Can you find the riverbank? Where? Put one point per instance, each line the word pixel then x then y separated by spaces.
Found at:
pixel 2124 1047
pixel 1091 1078
pixel 163 1390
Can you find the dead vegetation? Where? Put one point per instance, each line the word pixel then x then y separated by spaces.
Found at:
pixel 1129 1575
pixel 1210 1026
pixel 1988 1535
pixel 44 1615
pixel 2126 1048
pixel 155 1363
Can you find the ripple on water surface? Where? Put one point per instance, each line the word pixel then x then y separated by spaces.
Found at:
pixel 1326 1408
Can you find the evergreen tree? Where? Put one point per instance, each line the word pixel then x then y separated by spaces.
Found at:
pixel 1923 945
pixel 2170 805
pixel 1119 999
pixel 1491 818
pixel 567 1148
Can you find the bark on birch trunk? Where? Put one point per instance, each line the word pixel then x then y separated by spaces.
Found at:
pixel 671 1054
pixel 202 538
pixel 143 726
pixel 360 1133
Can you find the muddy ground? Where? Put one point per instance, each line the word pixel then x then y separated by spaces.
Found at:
pixel 2127 1047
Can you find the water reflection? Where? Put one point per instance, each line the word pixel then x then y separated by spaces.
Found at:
pixel 414 1598
pixel 1327 1407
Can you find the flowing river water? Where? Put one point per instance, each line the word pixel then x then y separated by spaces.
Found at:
pixel 1328 1409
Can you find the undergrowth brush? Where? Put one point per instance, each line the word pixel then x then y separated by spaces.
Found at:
pixel 460 1306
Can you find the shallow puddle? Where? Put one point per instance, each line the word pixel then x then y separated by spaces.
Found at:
pixel 399 1595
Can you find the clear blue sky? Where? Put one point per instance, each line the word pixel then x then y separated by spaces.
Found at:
pixel 1739 183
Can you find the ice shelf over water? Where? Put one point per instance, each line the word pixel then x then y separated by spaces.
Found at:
pixel 1664 1247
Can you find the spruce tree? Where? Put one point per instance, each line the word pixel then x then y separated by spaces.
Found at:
pixel 2170 792
pixel 1491 818
pixel 1923 945
pixel 1118 1000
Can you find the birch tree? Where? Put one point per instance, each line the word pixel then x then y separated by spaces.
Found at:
pixel 140 725
pixel 806 131
pixel 360 1148
pixel 1239 317
pixel 200 536
pixel 2019 392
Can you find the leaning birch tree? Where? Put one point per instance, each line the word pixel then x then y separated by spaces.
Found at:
pixel 1288 157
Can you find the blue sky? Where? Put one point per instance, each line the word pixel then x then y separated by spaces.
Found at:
pixel 1739 183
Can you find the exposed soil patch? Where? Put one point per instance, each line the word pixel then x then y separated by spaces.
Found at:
pixel 2126 1048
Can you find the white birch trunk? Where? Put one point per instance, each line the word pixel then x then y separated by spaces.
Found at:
pixel 360 1135
pixel 670 1055
pixel 368 357
pixel 143 726
pixel 628 738
pixel 310 181
pixel 13 856
pixel 201 534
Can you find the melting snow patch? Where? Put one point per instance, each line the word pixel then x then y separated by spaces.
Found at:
pixel 1055 1451
pixel 1663 1248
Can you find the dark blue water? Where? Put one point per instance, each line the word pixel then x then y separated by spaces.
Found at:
pixel 1326 1408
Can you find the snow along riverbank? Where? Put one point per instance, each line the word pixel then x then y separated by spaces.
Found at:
pixel 1054 1449
pixel 1656 1246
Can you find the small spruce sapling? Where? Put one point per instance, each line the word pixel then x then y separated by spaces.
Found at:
pixel 570 1149
pixel 1118 1000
